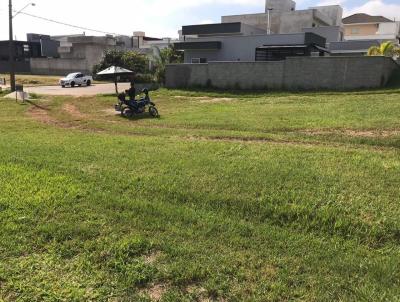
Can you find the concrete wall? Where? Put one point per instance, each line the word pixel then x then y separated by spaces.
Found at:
pixel 258 20
pixel 294 22
pixel 250 30
pixel 389 28
pixel 330 33
pixel 92 53
pixel 333 12
pixel 20 67
pixel 280 5
pixel 284 22
pixel 333 73
pixel 75 56
pixel 50 48
pixel 50 66
pixel 90 48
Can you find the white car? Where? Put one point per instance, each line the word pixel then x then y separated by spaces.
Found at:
pixel 76 79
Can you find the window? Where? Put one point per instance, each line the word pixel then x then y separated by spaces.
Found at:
pixel 199 60
pixel 355 31
pixel 279 54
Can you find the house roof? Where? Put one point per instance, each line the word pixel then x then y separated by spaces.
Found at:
pixel 364 18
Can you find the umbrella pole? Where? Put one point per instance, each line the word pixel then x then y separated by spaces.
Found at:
pixel 116 86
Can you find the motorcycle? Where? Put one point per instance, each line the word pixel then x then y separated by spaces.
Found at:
pixel 130 108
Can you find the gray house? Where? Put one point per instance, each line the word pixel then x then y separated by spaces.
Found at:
pixel 233 42
pixel 279 32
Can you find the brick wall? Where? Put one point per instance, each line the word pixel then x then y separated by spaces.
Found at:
pixel 302 73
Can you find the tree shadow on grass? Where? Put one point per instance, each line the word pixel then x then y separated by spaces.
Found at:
pixel 34 105
pixel 138 117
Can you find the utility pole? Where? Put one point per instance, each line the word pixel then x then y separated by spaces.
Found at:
pixel 11 48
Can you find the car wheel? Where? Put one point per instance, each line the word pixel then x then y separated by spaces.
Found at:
pixel 72 84
pixel 88 83
pixel 63 86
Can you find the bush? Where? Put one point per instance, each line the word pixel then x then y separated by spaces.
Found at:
pixel 144 78
pixel 167 56
pixel 132 60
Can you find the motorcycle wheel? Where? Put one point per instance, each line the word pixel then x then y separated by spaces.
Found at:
pixel 153 111
pixel 126 112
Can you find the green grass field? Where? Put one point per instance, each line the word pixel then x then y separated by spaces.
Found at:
pixel 226 197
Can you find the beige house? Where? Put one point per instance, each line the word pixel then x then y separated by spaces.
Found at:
pixel 366 27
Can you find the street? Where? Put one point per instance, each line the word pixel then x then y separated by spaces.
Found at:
pixel 77 91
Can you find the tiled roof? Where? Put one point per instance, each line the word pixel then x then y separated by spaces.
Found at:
pixel 364 18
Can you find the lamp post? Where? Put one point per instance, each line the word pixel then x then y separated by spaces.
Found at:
pixel 20 11
pixel 11 47
pixel 269 20
pixel 11 42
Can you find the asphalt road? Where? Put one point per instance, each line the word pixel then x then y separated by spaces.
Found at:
pixel 77 91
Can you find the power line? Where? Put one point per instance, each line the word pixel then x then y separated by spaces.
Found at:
pixel 70 25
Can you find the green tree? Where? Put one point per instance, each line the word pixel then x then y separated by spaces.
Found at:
pixel 131 60
pixel 169 55
pixel 386 49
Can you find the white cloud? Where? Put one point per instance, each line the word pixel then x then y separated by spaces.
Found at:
pixel 208 21
pixel 156 17
pixel 331 2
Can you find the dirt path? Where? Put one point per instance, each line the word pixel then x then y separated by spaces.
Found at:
pixel 204 99
pixel 72 110
pixel 354 133
pixel 41 114
pixel 78 91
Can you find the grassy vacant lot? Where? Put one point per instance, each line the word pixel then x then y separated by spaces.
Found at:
pixel 32 80
pixel 36 80
pixel 227 197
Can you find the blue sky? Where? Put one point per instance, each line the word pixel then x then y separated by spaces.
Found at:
pixel 159 18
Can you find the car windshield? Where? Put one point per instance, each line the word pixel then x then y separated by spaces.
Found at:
pixel 71 75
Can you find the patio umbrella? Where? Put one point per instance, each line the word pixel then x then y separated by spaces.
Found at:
pixel 115 72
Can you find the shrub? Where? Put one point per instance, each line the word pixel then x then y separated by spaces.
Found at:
pixel 144 78
pixel 132 60
pixel 166 56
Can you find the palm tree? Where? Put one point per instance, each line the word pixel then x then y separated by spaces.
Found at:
pixel 386 49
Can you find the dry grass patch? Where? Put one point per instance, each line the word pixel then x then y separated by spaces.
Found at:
pixel 355 133
pixel 156 291
pixel 73 111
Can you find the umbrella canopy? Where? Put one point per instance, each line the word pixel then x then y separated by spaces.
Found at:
pixel 115 71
